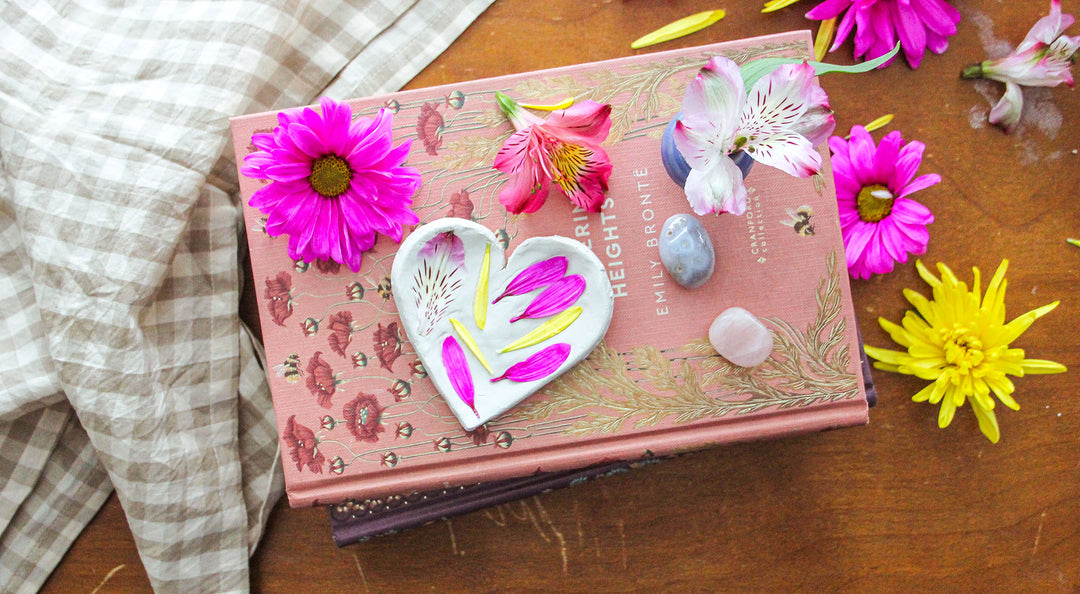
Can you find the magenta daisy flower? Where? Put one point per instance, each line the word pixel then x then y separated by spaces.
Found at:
pixel 334 182
pixel 919 25
pixel 880 224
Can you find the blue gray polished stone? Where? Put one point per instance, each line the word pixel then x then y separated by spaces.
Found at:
pixel 686 251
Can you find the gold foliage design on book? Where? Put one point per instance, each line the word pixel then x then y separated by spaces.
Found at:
pixel 647 386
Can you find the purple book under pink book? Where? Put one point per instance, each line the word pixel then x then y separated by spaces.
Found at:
pixel 358 416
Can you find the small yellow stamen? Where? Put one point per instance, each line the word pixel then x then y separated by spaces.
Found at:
pixel 679 28
pixel 552 107
pixel 330 176
pixel 824 38
pixel 568 161
pixel 774 5
pixel 874 203
pixel 1075 242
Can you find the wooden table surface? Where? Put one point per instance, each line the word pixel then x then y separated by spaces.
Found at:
pixel 898 504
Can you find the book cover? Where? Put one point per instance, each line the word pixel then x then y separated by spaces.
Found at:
pixel 357 520
pixel 357 414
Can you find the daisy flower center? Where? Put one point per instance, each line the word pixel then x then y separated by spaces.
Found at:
pixel 874 203
pixel 330 176
pixel 962 347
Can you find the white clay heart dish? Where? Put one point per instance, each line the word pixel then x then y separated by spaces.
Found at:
pixel 498 342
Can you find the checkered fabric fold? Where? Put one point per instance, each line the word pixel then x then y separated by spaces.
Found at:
pixel 119 277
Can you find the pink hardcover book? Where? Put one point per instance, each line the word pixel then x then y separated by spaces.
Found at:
pixel 358 416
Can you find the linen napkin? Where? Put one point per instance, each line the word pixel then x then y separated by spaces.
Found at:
pixel 126 364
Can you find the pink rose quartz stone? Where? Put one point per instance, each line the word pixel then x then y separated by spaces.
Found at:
pixel 740 337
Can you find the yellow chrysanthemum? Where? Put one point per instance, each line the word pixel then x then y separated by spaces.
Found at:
pixel 960 341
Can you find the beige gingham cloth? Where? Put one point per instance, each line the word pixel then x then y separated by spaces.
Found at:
pixel 124 361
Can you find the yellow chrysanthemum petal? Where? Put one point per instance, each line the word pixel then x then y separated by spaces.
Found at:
pixel 947 411
pixel 825 33
pixel 897 333
pixel 887 367
pixel 924 394
pixel 926 275
pixel 773 5
pixel 1042 366
pixel 922 305
pixel 940 387
pixel 878 122
pixel 884 355
pixel 981 395
pixel 987 423
pixel 679 28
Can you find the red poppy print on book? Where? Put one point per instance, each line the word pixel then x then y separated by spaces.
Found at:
pixel 387 344
pixel 340 326
pixel 320 379
pixel 303 446
pixel 278 297
pixel 327 266
pixel 362 417
pixel 429 128
pixel 461 207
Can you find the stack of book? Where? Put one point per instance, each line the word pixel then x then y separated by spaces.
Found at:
pixel 363 429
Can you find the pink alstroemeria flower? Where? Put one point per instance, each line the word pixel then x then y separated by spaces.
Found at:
pixel 1043 59
pixel 785 114
pixel 920 25
pixel 564 149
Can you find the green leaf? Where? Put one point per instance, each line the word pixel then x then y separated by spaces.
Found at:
pixel 757 69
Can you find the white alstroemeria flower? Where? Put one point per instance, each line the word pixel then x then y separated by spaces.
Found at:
pixel 778 123
pixel 1043 59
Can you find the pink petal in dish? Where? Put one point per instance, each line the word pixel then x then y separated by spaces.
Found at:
pixel 457 369
pixel 537 366
pixel 557 297
pixel 540 274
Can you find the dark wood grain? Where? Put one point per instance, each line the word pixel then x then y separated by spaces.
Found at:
pixel 896 505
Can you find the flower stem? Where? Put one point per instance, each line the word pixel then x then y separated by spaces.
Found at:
pixel 972 71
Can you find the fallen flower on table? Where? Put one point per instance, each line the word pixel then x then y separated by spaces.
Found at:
pixel 880 224
pixel 959 340
pixel 778 123
pixel 564 149
pixel 1043 59
pixel 334 182
pixel 919 25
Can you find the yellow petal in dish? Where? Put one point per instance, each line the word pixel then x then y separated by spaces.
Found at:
pixel 470 343
pixel 546 330
pixel 480 303
pixel 679 28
